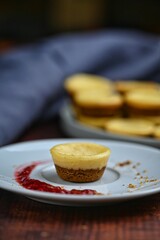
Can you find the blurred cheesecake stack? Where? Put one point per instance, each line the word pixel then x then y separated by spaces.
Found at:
pixel 121 107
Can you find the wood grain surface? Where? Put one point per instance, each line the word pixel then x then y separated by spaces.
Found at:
pixel 25 219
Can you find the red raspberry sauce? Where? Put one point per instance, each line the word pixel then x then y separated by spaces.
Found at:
pixel 22 175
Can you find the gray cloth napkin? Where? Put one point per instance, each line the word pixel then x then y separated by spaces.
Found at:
pixel 31 77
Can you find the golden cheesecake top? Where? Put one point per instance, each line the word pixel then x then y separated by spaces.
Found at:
pixel 128 85
pixel 144 98
pixel 83 81
pixel 93 121
pixel 137 127
pixel 80 155
pixel 98 98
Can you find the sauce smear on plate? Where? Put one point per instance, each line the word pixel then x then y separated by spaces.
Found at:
pixel 22 176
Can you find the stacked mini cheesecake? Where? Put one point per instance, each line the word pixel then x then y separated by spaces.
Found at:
pixel 121 107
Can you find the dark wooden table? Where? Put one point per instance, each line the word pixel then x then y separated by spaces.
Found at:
pixel 22 218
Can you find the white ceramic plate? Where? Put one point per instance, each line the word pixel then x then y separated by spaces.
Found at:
pixel 75 129
pixel 142 173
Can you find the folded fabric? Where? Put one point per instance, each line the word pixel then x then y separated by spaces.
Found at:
pixel 31 78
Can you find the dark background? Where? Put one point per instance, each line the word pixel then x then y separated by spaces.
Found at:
pixel 22 20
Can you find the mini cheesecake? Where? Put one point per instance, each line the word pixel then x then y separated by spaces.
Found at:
pixel 144 102
pixel 80 161
pixel 81 81
pixel 128 85
pixel 132 127
pixel 98 122
pixel 95 103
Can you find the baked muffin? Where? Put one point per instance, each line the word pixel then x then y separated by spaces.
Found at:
pixel 143 102
pixel 83 81
pixel 132 127
pixel 128 85
pixel 80 161
pixel 95 103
